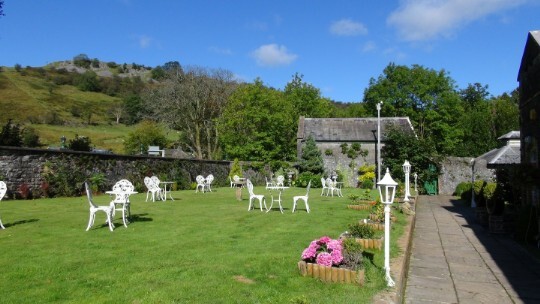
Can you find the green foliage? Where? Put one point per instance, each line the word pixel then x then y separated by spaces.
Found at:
pixel 461 188
pixel 30 138
pixel 361 231
pixel 400 146
pixel 306 99
pixel 147 133
pixel 263 119
pixel 352 254
pixel 236 169
pixel 88 81
pixel 82 61
pixel 80 143
pixel 366 176
pixel 61 178
pixel 311 160
pixel 11 135
pixel 98 181
pixel 328 152
pixel 378 211
pixel 303 179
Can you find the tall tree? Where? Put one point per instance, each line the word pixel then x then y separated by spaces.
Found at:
pixel 306 98
pixel 258 123
pixel 426 96
pixel 311 160
pixel 190 102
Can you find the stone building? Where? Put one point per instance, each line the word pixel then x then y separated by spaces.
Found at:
pixel 529 107
pixel 330 133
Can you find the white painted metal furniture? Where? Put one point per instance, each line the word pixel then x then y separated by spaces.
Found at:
pixel 324 186
pixel 208 182
pixel 200 183
pixel 302 198
pixel 278 199
pixel 253 196
pixel 108 209
pixel 331 185
pixel 155 150
pixel 3 190
pixel 153 190
pixel 269 182
pixel 121 192
pixel 156 181
pixel 280 180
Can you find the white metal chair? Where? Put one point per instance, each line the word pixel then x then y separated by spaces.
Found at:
pixel 3 190
pixel 208 182
pixel 200 183
pixel 303 198
pixel 232 182
pixel 331 187
pixel 280 180
pixel 252 196
pixel 95 208
pixel 156 181
pixel 122 190
pixel 269 183
pixel 152 189
pixel 324 186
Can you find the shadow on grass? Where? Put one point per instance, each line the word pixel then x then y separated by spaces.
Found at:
pixel 140 218
pixel 20 222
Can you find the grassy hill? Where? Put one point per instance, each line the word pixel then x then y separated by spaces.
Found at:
pixel 31 99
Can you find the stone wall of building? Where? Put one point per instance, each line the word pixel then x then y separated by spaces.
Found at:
pixel 454 170
pixel 28 169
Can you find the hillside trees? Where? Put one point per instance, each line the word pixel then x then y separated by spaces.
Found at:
pixel 190 102
pixel 258 124
pixel 147 133
pixel 306 98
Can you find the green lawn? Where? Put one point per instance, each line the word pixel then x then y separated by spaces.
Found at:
pixel 201 248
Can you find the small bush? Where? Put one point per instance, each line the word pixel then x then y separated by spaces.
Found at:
pixel 304 178
pixel 462 187
pixel 361 231
pixel 352 255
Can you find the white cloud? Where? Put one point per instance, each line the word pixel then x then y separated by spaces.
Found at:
pixel 369 46
pixel 418 20
pixel 347 27
pixel 144 41
pixel 273 55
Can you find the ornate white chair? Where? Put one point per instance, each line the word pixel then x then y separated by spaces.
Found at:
pixel 3 190
pixel 232 182
pixel 208 182
pixel 269 182
pixel 121 191
pixel 95 208
pixel 200 183
pixel 331 186
pixel 253 196
pixel 280 180
pixel 324 186
pixel 153 190
pixel 156 181
pixel 302 198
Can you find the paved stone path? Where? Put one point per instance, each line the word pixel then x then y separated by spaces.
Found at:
pixel 455 260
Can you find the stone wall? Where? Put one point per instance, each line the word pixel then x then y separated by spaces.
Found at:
pixel 455 170
pixel 27 168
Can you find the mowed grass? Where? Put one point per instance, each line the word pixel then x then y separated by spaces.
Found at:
pixel 200 248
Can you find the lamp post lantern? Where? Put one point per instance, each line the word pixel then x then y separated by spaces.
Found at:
pixel 415 178
pixel 378 105
pixel 387 191
pixel 407 171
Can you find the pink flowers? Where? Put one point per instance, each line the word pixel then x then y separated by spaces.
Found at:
pixel 324 251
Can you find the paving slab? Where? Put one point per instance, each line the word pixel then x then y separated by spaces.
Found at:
pixel 455 260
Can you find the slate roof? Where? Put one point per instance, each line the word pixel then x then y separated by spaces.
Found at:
pixel 530 54
pixel 509 154
pixel 348 129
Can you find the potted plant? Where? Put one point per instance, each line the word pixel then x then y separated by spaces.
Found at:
pixel 495 207
pixel 328 260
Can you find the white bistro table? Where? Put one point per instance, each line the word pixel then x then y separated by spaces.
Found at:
pixel 278 199
pixel 165 190
pixel 122 197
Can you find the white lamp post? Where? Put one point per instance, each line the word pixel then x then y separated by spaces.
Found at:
pixel 415 178
pixel 387 191
pixel 378 105
pixel 473 203
pixel 407 171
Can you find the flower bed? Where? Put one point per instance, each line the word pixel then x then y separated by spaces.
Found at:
pixel 332 274
pixel 371 243
pixel 375 217
pixel 360 207
pixel 326 259
pixel 375 225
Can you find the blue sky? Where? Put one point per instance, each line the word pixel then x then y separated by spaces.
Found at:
pixel 337 45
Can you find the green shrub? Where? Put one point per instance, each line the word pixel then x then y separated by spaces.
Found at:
pixel 352 255
pixel 304 178
pixel 361 231
pixel 462 187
